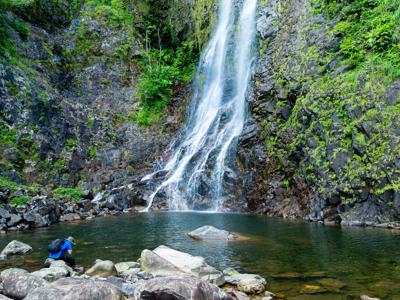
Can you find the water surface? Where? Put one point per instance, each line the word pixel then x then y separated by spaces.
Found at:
pixel 366 260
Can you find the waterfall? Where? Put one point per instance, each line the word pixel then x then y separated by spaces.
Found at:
pixel 206 148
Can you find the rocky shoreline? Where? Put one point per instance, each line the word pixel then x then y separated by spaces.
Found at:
pixel 43 211
pixel 161 273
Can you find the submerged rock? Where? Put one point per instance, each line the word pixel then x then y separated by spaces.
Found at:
pixel 208 232
pixel 181 288
pixel 17 283
pixel 15 248
pixel 247 283
pixel 164 261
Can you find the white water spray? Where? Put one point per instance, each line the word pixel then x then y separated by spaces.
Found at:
pixel 217 114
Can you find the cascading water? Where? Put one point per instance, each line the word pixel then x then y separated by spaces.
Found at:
pixel 202 155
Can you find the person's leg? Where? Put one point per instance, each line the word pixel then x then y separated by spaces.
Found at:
pixel 68 260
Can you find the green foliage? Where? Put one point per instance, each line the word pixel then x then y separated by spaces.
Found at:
pixel 8 136
pixel 70 144
pixel 92 151
pixel 72 194
pixel 11 185
pixel 114 13
pixel 20 200
pixel 162 70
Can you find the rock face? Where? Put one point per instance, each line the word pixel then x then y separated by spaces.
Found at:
pixel 15 248
pixel 102 268
pixel 164 261
pixel 17 283
pixel 181 288
pixel 211 233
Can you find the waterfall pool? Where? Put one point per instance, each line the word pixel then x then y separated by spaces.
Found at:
pixel 295 257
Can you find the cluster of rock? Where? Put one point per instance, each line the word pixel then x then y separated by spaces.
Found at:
pixel 43 211
pixel 163 273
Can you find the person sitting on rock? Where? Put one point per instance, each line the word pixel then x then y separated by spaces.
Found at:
pixel 65 251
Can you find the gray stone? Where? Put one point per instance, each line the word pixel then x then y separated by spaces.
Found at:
pixel 247 283
pixel 14 248
pixel 70 217
pixel 180 288
pixel 102 268
pixel 164 261
pixel 52 273
pixel 125 267
pixel 211 233
pixel 17 283
pixel 14 220
pixel 70 288
pixel 127 288
pixel 4 214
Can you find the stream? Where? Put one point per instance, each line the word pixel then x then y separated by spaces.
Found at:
pixel 291 255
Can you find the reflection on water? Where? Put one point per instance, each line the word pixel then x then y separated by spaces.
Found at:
pixel 366 260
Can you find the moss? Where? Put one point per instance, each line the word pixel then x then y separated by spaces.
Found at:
pixel 342 111
pixel 73 194
pixel 20 200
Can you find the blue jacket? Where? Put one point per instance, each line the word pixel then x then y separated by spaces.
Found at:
pixel 65 247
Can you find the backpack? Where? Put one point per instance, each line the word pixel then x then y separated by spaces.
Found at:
pixel 55 246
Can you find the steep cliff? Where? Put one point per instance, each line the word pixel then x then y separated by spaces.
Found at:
pixel 74 80
pixel 327 108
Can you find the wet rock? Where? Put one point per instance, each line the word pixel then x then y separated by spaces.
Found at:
pixel 102 268
pixel 332 284
pixel 164 261
pixel 15 248
pixel 366 213
pixel 180 288
pixel 17 283
pixel 288 275
pixel 312 289
pixel 247 283
pixel 70 217
pixel 211 233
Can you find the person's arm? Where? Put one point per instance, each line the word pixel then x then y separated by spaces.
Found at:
pixel 69 248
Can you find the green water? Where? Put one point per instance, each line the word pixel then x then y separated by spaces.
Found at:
pixel 366 260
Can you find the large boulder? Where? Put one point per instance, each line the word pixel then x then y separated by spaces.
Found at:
pixel 247 283
pixel 72 288
pixel 15 248
pixel 52 273
pixel 164 261
pixel 208 232
pixel 17 283
pixel 180 288
pixel 102 268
